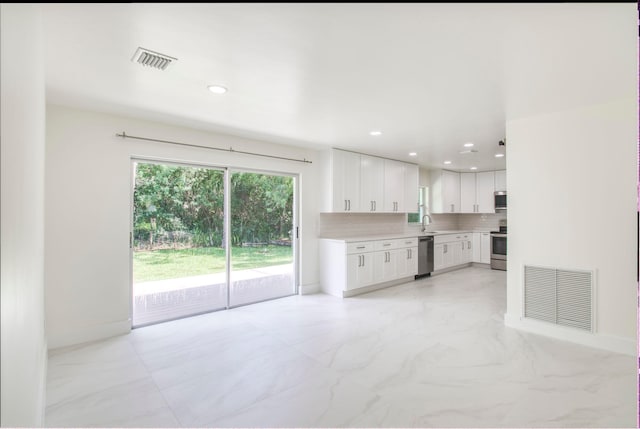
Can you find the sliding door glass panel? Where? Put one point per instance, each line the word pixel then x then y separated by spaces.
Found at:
pixel 179 262
pixel 262 237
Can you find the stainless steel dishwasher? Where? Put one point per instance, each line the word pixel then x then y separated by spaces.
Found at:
pixel 425 256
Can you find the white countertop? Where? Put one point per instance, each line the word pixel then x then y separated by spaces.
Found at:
pixel 373 237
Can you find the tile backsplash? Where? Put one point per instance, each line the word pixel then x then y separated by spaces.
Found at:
pixel 357 224
pixel 489 221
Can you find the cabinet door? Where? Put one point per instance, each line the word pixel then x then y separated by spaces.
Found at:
pixel 384 266
pixel 346 181
pixel 467 252
pixel 411 177
pixel 475 247
pixel 485 186
pixel 371 183
pixel 451 191
pixel 402 262
pixel 456 249
pixel 438 257
pixel 412 262
pixel 485 248
pixel 359 270
pixel 468 193
pixel 449 250
pixel 501 180
pixel 393 186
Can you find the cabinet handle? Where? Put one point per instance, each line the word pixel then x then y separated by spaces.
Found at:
pixel 451 208
pixel 374 206
pixel 360 247
pixel 363 260
pixel 386 244
pixel 345 205
pixel 445 248
pixel 349 201
pixel 469 246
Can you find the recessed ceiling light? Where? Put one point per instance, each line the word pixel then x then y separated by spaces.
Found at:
pixel 468 145
pixel 375 133
pixel 447 162
pixel 413 154
pixel 473 168
pixel 217 89
pixel 499 155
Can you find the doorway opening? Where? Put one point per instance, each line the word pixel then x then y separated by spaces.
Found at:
pixel 205 239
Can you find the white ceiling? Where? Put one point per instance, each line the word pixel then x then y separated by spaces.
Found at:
pixel 431 77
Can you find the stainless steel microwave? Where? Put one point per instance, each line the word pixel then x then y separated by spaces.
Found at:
pixel 500 200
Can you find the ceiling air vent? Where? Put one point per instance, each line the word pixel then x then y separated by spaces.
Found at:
pixel 152 59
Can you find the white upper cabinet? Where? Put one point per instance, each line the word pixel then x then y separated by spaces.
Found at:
pixel 394 185
pixel 345 175
pixel 371 183
pixel 473 195
pixel 484 192
pixel 467 192
pixel 445 191
pixel 501 180
pixel 361 183
pixel 411 179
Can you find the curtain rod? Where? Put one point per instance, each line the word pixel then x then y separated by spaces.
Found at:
pixel 127 136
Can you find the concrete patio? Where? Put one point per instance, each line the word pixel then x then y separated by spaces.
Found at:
pixel 160 300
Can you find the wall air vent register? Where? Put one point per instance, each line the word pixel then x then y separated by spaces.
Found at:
pixel 558 296
pixel 152 59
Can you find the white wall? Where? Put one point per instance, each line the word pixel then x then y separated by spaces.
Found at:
pixel 572 204
pixel 24 346
pixel 88 186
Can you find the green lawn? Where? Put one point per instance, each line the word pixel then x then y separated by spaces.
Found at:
pixel 169 263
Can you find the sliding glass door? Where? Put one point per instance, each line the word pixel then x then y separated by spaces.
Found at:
pixel 185 232
pixel 262 237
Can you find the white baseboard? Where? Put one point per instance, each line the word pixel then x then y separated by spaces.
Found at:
pixel 627 346
pixel 310 289
pixel 88 334
pixel 378 286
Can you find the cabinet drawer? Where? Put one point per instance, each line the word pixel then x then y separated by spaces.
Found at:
pixel 360 247
pixel 387 244
pixel 407 242
pixel 445 238
pixel 448 238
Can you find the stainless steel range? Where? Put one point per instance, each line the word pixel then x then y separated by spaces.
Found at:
pixel 499 248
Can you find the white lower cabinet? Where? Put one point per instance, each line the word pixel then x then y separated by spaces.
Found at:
pixel 485 248
pixel 482 247
pixel 345 266
pixel 451 250
pixel 385 266
pixel 407 262
pixel 359 270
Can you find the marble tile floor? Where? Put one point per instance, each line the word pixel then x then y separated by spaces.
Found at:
pixel 429 353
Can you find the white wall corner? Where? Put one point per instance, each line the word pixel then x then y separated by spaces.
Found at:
pixel 85 334
pixel 627 346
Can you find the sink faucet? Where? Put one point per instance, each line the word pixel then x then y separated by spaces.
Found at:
pixel 424 226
